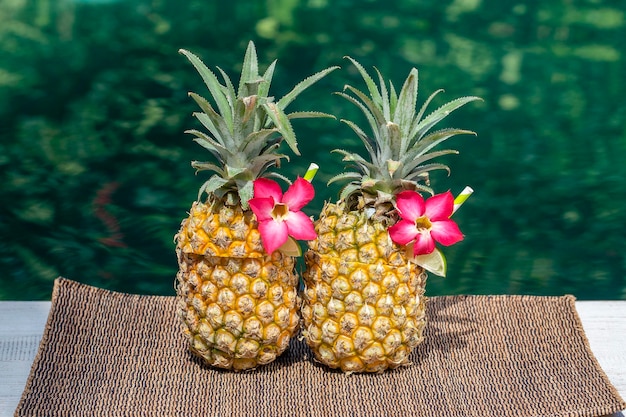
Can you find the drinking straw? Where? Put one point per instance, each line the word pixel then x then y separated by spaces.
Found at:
pixel 460 199
pixel 310 173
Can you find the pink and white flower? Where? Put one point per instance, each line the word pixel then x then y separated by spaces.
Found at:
pixel 425 222
pixel 279 215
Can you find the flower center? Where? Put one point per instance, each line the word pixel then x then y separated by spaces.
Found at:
pixel 280 212
pixel 423 223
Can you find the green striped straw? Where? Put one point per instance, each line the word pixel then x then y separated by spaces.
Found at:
pixel 460 199
pixel 310 173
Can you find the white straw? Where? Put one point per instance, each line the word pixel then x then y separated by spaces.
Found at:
pixel 310 173
pixel 460 199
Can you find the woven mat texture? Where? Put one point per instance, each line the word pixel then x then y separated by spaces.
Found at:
pixel 112 354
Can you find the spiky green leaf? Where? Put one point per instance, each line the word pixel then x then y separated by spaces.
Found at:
pixel 413 185
pixel 211 185
pixel 393 98
pixel 212 121
pixel 256 141
pixel 349 189
pixel 369 82
pixel 427 168
pixel 264 87
pixel 385 104
pixel 245 108
pixel 281 121
pixel 206 122
pixel 207 166
pixel 405 108
pixel 345 176
pixel 303 85
pixel 365 166
pixel 374 125
pixel 245 189
pixel 207 141
pixel 420 114
pixel 309 115
pixel 263 162
pixel 372 108
pixel 280 177
pixel 442 112
pixel 214 86
pixel 367 141
pixel 394 141
pixel 431 140
pixel 229 89
pixel 249 70
pixel 411 162
pixel 232 172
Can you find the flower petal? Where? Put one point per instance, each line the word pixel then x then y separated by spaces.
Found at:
pixel 424 244
pixel 300 226
pixel 273 235
pixel 403 232
pixel 267 188
pixel 298 194
pixel 262 207
pixel 410 204
pixel 446 232
pixel 440 206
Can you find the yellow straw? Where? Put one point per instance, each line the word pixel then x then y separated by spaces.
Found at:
pixel 310 173
pixel 460 199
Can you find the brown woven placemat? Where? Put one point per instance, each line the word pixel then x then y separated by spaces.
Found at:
pixel 112 354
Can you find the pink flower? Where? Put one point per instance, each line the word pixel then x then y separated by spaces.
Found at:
pixel 279 215
pixel 425 222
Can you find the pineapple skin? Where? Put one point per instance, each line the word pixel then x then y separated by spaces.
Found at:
pixel 363 303
pixel 239 307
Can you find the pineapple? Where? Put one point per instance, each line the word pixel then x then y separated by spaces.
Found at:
pixel 238 304
pixel 363 301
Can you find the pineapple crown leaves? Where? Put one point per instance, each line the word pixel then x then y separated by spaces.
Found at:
pixel 399 140
pixel 244 126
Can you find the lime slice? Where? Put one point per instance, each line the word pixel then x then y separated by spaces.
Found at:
pixel 291 247
pixel 433 262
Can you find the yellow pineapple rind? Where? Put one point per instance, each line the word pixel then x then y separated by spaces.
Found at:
pixel 363 303
pixel 238 309
pixel 215 229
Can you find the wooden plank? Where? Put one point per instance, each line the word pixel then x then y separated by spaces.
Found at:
pixel 22 324
pixel 21 327
pixel 605 326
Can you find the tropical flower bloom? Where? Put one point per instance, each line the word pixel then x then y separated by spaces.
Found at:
pixel 279 215
pixel 424 222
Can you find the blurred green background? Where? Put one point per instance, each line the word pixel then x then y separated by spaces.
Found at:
pixel 94 165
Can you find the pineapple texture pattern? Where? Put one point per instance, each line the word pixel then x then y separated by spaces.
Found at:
pixel 364 304
pixel 239 307
pixel 216 229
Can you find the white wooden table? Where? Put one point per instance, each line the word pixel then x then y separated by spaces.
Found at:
pixel 22 324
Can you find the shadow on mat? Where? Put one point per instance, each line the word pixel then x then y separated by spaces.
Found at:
pixel 447 328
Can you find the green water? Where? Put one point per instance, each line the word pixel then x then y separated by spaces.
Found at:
pixel 94 165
